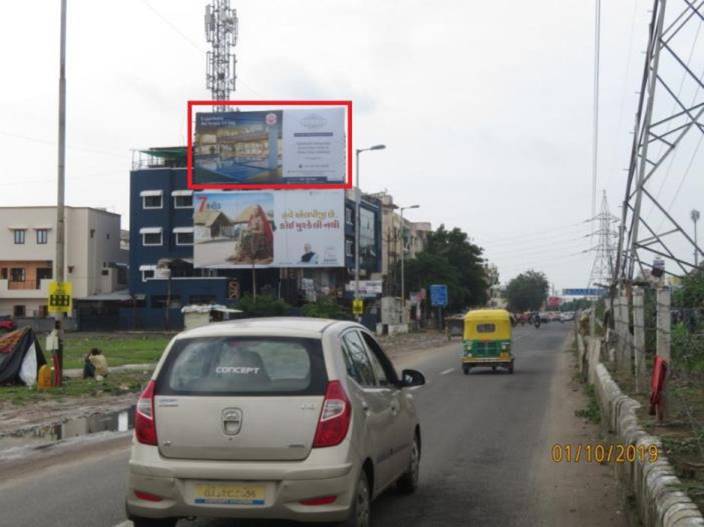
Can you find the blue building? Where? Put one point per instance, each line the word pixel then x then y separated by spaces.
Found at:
pixel 162 278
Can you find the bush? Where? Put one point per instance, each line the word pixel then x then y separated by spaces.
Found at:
pixel 687 349
pixel 325 307
pixel 263 306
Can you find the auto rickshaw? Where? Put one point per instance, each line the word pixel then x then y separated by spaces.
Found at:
pixel 487 340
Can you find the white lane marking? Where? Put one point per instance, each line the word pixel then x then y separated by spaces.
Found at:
pixel 125 523
pixel 449 370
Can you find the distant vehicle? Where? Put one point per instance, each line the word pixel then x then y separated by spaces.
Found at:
pixel 544 317
pixel 7 324
pixel 554 316
pixel 566 316
pixel 487 340
pixel 293 419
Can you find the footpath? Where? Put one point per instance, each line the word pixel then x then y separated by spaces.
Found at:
pixel 659 497
pixel 35 424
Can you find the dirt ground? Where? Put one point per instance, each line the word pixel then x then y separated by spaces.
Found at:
pixel 604 504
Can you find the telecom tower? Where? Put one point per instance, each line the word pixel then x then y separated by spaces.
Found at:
pixel 670 110
pixel 603 267
pixel 221 32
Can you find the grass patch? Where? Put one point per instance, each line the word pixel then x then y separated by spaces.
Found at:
pixel 592 412
pixel 119 348
pixel 114 384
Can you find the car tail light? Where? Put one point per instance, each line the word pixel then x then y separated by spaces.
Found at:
pixel 335 417
pixel 147 496
pixel 322 500
pixel 144 424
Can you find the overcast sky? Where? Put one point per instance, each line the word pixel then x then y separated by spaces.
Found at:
pixel 485 107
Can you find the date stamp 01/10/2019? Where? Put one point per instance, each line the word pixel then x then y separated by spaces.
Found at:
pixel 603 453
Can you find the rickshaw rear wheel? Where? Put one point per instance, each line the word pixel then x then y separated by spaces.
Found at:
pixel 465 369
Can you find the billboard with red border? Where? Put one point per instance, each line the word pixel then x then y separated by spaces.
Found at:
pixel 274 145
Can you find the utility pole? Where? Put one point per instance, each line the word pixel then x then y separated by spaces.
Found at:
pixel 60 194
pixel 403 263
pixel 358 223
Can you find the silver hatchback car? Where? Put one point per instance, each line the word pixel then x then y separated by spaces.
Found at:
pixel 281 418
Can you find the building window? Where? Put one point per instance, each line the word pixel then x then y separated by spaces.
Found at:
pixel 183 201
pixel 147 271
pixel 151 199
pixel 349 246
pixel 17 274
pixel 3 273
pixel 42 236
pixel 19 235
pixel 184 238
pixel 348 215
pixel 18 311
pixel 151 236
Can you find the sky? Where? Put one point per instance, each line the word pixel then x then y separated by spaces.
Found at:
pixel 485 107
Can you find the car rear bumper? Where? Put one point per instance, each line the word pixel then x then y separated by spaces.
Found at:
pixel 287 483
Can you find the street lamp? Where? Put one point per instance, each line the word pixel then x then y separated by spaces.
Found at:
pixel 357 199
pixel 403 262
pixel 695 218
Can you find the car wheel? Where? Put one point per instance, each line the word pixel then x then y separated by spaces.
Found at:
pixel 408 482
pixel 151 522
pixel 361 507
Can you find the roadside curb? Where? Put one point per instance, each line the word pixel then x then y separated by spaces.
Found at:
pixel 657 490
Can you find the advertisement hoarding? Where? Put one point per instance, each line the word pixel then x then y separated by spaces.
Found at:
pixel 367 288
pixel 270 147
pixel 554 301
pixel 242 229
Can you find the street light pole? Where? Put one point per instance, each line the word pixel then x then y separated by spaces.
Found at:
pixel 403 263
pixel 357 199
pixel 695 219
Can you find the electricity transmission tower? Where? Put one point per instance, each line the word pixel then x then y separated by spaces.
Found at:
pixel 603 267
pixel 668 119
pixel 221 32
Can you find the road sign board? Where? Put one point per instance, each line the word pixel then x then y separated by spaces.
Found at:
pixel 60 297
pixel 438 295
pixel 591 291
pixel 357 306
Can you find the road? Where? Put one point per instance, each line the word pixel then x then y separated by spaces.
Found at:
pixel 486 455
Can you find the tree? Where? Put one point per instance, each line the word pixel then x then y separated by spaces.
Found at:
pixel 527 291
pixel 450 258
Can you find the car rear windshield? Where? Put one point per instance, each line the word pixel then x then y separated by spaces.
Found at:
pixel 244 366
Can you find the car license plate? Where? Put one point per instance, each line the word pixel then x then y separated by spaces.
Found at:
pixel 229 494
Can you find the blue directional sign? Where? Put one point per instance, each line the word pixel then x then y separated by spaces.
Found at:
pixel 590 291
pixel 438 295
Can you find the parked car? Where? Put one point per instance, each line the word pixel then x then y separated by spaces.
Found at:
pixel 294 419
pixel 7 324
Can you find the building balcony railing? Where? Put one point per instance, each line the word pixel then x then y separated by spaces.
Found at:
pixel 27 289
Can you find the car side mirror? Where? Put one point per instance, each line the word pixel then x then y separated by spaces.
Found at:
pixel 412 378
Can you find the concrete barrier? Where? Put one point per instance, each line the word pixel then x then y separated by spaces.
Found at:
pixel 657 490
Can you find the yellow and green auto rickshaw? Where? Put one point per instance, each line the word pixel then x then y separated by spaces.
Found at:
pixel 487 340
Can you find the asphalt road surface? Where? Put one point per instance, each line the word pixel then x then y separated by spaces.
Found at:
pixel 486 442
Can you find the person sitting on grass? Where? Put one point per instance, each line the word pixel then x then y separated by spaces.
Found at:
pixel 95 365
